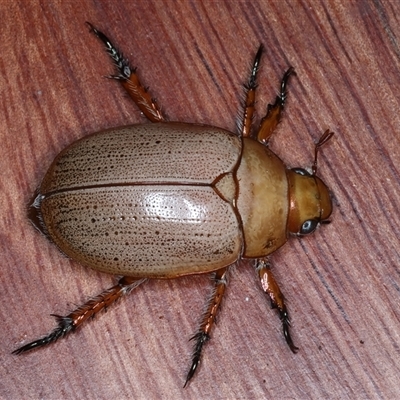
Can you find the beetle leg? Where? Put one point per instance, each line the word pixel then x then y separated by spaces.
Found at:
pixel 271 287
pixel 81 314
pixel 129 80
pixel 249 103
pixel 274 112
pixel 208 319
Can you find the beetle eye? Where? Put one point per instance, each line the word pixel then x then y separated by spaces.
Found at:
pixel 301 171
pixel 308 226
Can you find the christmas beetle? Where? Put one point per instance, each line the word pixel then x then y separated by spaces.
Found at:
pixel 169 199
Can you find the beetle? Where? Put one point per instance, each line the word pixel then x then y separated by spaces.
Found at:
pixel 168 199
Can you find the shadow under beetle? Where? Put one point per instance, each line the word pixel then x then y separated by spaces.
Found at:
pixel 170 199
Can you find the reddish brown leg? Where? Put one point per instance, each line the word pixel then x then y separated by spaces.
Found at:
pixel 81 314
pixel 250 99
pixel 273 116
pixel 270 287
pixel 208 319
pixel 130 81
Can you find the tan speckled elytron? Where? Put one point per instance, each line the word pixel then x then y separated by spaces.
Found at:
pixel 115 202
pixel 169 199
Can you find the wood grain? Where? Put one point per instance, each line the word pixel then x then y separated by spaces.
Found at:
pixel 342 284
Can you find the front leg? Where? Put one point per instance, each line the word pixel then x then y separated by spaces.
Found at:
pixel 270 287
pixel 274 111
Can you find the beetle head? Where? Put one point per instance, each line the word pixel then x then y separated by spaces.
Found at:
pixel 309 202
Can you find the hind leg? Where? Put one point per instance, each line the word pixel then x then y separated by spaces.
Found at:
pixel 130 81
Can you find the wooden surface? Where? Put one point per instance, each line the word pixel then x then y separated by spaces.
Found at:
pixel 342 284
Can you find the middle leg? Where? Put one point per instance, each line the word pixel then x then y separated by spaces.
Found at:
pixel 250 99
pixel 208 320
